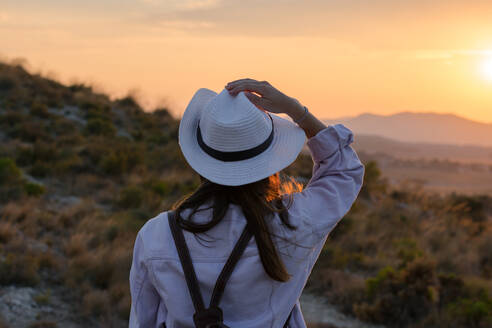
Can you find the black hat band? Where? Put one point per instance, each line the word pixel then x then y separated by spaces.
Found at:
pixel 232 156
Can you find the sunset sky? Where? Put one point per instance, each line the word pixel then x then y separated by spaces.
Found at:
pixel 339 58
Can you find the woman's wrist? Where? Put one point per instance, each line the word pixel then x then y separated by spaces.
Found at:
pixel 296 111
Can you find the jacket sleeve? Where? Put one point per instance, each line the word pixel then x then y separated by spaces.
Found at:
pixel 335 183
pixel 147 307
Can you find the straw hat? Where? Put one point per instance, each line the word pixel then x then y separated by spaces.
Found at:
pixel 229 141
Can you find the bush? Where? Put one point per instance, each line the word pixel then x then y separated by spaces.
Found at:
pixel 114 164
pixel 400 297
pixel 10 180
pixel 11 118
pixel 62 126
pixel 485 258
pixel 468 206
pixel 43 298
pixel 407 250
pixel 24 155
pixel 97 126
pixel 472 313
pixel 162 188
pixel 131 197
pixel 7 83
pixel 34 189
pixel 29 132
pixel 9 172
pixel 7 232
pixel 373 181
pixel 18 269
pixel 40 169
pixel 96 302
pixel 39 110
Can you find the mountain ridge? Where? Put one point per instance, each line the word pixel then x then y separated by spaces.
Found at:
pixel 420 127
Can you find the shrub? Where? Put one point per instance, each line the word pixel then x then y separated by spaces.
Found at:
pixel 111 233
pixel 76 245
pixel 485 257
pixel 18 269
pixel 468 206
pixel 132 220
pixel 131 197
pixel 472 313
pixel 7 232
pixel 24 155
pixel 9 172
pixel 62 126
pixel 71 163
pixel 7 83
pixel 39 110
pixel 11 118
pixel 407 250
pixel 47 260
pixel 29 132
pixel 373 181
pixel 162 188
pixel 10 180
pixel 400 297
pixel 43 298
pixel 34 189
pixel 342 228
pixel 114 164
pixel 128 101
pixel 374 284
pixel 40 169
pixel 121 159
pixel 97 126
pixel 96 302
pixel 452 288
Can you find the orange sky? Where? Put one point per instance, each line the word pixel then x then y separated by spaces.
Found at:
pixel 339 58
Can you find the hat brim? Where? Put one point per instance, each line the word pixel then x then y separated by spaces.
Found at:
pixel 287 143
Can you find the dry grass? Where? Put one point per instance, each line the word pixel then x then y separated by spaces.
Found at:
pixel 7 232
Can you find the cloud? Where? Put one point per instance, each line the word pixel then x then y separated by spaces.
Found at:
pixel 182 4
pixel 186 25
pixel 382 24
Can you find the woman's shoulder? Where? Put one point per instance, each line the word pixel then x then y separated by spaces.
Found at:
pixel 153 223
pixel 154 233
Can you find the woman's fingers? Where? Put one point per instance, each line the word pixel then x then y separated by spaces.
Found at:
pixel 233 83
pixel 269 99
pixel 248 85
pixel 261 103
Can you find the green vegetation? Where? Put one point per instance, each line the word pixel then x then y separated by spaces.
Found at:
pixel 408 258
pixel 80 174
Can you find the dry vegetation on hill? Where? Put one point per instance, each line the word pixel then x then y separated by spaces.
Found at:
pixel 80 174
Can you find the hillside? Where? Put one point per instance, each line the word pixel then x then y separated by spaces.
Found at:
pixel 421 128
pixel 80 173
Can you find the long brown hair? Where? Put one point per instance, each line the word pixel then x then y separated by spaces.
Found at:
pixel 258 201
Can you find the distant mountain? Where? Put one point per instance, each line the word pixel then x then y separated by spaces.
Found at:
pixel 372 144
pixel 421 127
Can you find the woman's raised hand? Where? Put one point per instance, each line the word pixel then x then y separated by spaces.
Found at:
pixel 265 96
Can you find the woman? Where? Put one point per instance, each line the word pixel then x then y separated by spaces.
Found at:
pixel 238 145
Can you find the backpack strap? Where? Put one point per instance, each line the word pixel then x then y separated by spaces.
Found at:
pixel 189 271
pixel 226 272
pixel 184 257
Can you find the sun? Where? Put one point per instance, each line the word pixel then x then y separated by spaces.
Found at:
pixel 486 69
